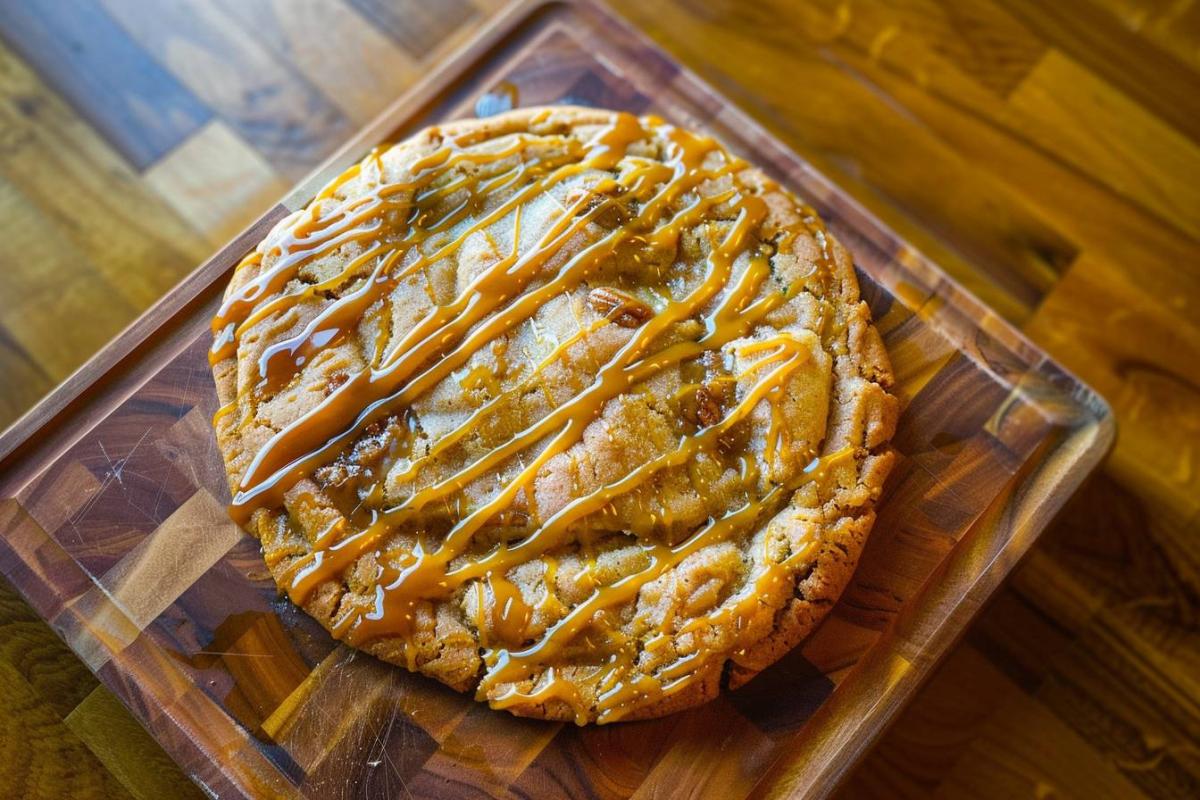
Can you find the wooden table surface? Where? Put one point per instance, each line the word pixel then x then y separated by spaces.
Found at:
pixel 1047 154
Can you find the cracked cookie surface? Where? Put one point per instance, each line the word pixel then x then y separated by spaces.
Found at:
pixel 567 407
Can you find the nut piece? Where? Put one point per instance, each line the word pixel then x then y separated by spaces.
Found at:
pixel 708 407
pixel 626 311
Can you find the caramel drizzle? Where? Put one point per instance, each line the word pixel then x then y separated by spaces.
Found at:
pixel 502 297
pixel 393 385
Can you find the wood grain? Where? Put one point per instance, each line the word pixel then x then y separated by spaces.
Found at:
pixel 99 216
pixel 87 58
pixel 1044 153
pixel 175 617
pixel 417 27
pixel 126 750
pixel 50 282
pixel 233 71
pixel 44 754
pixel 351 61
pixel 214 179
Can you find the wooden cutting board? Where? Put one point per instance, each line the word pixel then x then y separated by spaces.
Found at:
pixel 113 525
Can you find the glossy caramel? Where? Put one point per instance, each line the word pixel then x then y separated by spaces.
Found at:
pixel 657 201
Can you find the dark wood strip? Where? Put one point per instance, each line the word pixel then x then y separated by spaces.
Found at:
pixel 140 108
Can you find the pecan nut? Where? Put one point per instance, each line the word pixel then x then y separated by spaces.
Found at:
pixel 708 407
pixel 626 311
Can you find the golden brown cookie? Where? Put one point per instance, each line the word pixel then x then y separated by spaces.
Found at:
pixel 568 407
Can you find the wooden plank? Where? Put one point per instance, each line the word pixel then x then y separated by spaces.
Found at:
pixel 25 381
pixel 1166 86
pixel 1009 256
pixel 1022 633
pixel 974 39
pixel 1174 26
pixel 1073 205
pixel 418 27
pixel 28 645
pixel 72 176
pixel 1145 359
pixel 1110 697
pixel 217 182
pixel 1136 585
pixel 1098 624
pixel 263 98
pixel 51 281
pixel 1087 123
pixel 126 750
pixel 356 65
pixel 1005 761
pixel 134 103
pixel 48 760
pixel 935 732
pixel 1059 104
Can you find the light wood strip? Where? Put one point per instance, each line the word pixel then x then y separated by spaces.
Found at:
pixel 215 180
pixel 350 60
pixel 52 503
pixel 126 750
pixel 418 27
pixel 1008 255
pixel 164 564
pixel 52 281
pixel 151 576
pixel 49 753
pixel 1077 116
pixel 1112 325
pixel 71 175
pixel 1114 47
pixel 1025 751
pixel 262 97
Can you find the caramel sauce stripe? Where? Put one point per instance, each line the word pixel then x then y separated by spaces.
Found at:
pixel 503 296
pixel 428 577
pixel 442 325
